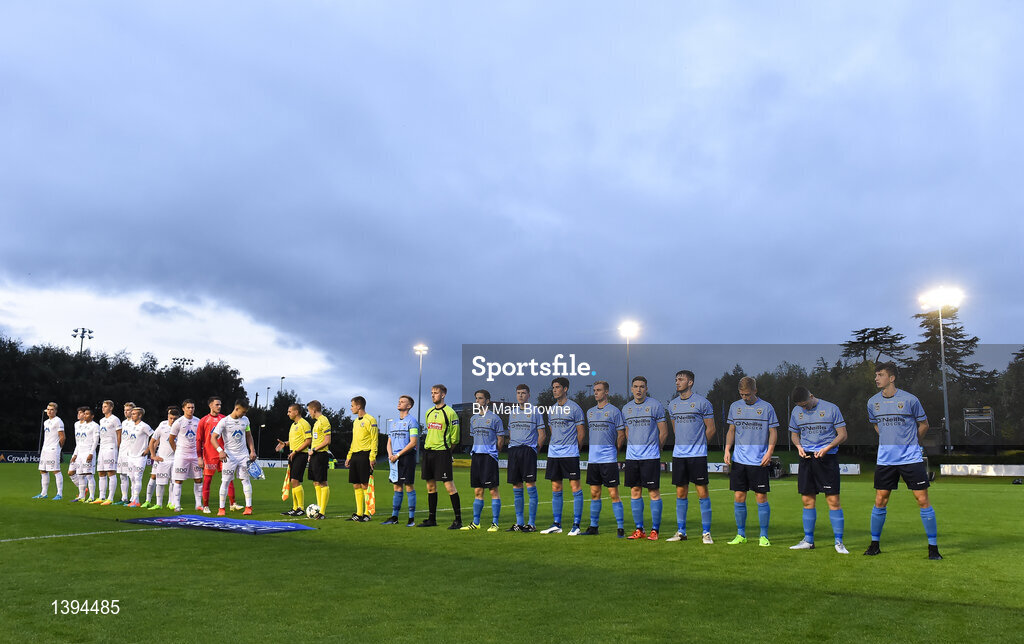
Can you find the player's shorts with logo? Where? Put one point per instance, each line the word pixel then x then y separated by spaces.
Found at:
pixel 137 465
pixel 643 473
pixel 522 465
pixel 82 465
pixel 359 468
pixel 563 467
pixel 212 466
pixel 818 475
pixel 437 465
pixel 318 467
pixel 162 470
pixel 235 467
pixel 689 469
pixel 405 469
pixel 297 466
pixel 743 478
pixel 606 474
pixel 483 471
pixel 915 475
pixel 186 467
pixel 49 459
pixel 123 463
pixel 107 461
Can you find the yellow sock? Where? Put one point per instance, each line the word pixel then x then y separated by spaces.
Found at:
pixel 359 501
pixel 325 496
pixel 316 489
pixel 299 497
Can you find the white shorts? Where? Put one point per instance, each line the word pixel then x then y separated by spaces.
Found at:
pixel 108 459
pixel 187 467
pixel 49 459
pixel 123 463
pixel 235 467
pixel 80 466
pixel 136 465
pixel 162 470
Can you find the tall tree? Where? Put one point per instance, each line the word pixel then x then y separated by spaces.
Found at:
pixel 959 347
pixel 880 341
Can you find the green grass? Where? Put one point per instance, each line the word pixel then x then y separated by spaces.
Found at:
pixel 369 582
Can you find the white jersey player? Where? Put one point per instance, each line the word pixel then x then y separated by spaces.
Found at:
pixel 122 455
pixel 238 450
pixel 106 464
pixel 137 451
pixel 186 458
pixel 163 457
pixel 49 456
pixel 83 460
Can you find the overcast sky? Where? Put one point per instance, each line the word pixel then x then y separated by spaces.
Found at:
pixel 307 189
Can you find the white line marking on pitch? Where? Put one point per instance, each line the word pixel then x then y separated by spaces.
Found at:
pixel 80 534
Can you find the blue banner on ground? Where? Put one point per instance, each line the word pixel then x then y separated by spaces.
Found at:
pixel 223 524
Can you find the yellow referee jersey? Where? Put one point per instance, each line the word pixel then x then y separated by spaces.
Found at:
pixel 321 430
pixel 298 434
pixel 364 436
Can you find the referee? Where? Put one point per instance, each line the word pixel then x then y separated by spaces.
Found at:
pixel 321 441
pixel 299 438
pixel 361 456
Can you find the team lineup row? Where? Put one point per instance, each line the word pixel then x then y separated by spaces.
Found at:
pixel 197 449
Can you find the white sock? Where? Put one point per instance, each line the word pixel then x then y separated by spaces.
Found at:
pixel 136 487
pixel 60 482
pixel 223 490
pixel 112 482
pixel 103 486
pixel 126 487
pixel 247 488
pixel 149 488
pixel 175 494
pixel 44 483
pixel 197 490
pixel 90 484
pixel 160 494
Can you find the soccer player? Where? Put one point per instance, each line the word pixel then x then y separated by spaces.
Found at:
pixel 567 429
pixel 233 429
pixel 206 446
pixel 162 453
pixel 403 436
pixel 442 424
pixel 488 440
pixel 693 423
pixel 753 429
pixel 49 456
pixel 526 436
pixel 83 461
pixel 186 457
pixel 319 453
pixel 300 436
pixel 123 462
pixel 607 435
pixel 900 423
pixel 110 438
pixel 818 428
pixel 362 454
pixel 138 447
pixel 646 431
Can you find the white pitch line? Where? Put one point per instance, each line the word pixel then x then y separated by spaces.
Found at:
pixel 80 534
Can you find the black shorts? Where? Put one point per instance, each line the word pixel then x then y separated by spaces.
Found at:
pixel 437 465
pixel 565 467
pixel 406 468
pixel 522 465
pixel 689 469
pixel 643 473
pixel 483 471
pixel 318 467
pixel 606 474
pixel 818 475
pixel 297 465
pixel 915 475
pixel 743 478
pixel 359 468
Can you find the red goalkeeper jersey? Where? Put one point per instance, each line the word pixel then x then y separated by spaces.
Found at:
pixel 207 451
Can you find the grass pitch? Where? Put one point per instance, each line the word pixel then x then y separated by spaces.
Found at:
pixel 367 582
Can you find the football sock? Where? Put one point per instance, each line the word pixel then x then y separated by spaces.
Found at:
pixel 112 482
pixel 456 506
pixel 396 502
pixel 175 497
pixel 764 514
pixel 495 510
pixel 299 495
pixel 620 514
pixel 556 506
pixel 534 497
pixel 103 486
pixel 412 504
pixel 478 508
pixel 325 497
pixel 595 511
pixel 656 505
pixel 838 523
pixel 126 487
pixel 636 506
pixel 247 490
pixel 197 492
pixel 682 505
pixel 59 478
pixel 810 518
pixel 931 527
pixel 740 510
pixel 520 505
pixel 577 507
pixel 432 506
pixel 223 491
pixel 149 488
pixel 206 489
pixel 160 494
pixel 705 514
pixel 360 500
pixel 44 483
pixel 231 491
pixel 877 522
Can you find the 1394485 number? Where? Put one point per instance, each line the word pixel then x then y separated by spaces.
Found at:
pixel 96 606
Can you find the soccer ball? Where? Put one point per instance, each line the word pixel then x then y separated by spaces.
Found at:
pixel 312 510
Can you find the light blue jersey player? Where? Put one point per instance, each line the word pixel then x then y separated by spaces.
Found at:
pixel 565 419
pixel 488 440
pixel 526 436
pixel 646 432
pixel 753 429
pixel 403 437
pixel 900 423
pixel 693 424
pixel 607 435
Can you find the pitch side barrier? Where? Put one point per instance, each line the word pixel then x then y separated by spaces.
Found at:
pixel 949 469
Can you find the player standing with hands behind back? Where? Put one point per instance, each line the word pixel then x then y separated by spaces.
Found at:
pixel 318 455
pixel 362 454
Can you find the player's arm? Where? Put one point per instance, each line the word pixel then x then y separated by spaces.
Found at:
pixel 60 437
pixel 374 432
pixel 922 428
pixel 836 442
pixel 152 450
pixel 620 439
pixel 794 432
pixel 391 454
pixel 216 448
pixel 730 440
pixel 93 436
pixel 773 436
pixel 709 428
pixel 251 444
pixel 662 434
pixel 581 431
pixel 172 437
pixel 540 436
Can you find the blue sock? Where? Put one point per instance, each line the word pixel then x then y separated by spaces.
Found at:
pixel 595 511
pixel 838 523
pixel 656 514
pixel 517 495
pixel 532 493
pixel 577 507
pixel 810 518
pixel 620 514
pixel 396 503
pixel 637 507
pixel 705 514
pixel 877 521
pixel 764 513
pixel 495 510
pixel 931 528
pixel 556 506
pixel 682 505
pixel 478 508
pixel 412 504
pixel 740 510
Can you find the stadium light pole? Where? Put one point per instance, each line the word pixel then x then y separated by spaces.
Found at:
pixel 420 350
pixel 935 299
pixel 628 329
pixel 183 363
pixel 266 403
pixel 82 334
pixel 280 388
